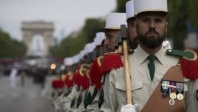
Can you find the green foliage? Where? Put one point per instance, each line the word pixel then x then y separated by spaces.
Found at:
pixel 121 6
pixel 176 22
pixel 179 13
pixel 10 47
pixel 74 43
pixel 92 25
pixel 192 12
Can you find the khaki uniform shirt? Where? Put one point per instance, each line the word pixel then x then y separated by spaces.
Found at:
pixel 142 86
pixel 81 106
pixel 190 98
pixel 94 103
pixel 93 107
pixel 66 101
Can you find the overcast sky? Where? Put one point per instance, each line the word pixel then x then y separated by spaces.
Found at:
pixel 68 15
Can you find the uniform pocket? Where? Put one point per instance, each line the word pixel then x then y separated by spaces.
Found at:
pixel 135 85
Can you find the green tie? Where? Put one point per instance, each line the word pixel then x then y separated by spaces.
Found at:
pixel 151 65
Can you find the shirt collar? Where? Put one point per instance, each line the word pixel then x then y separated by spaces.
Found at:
pixel 142 55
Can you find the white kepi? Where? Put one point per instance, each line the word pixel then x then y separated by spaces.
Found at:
pixel 68 61
pixel 150 5
pixel 89 47
pixel 114 20
pixel 100 36
pixel 130 9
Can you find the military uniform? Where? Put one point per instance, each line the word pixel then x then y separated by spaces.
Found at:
pixel 57 85
pixel 66 101
pixel 113 22
pixel 191 101
pixel 142 86
pixel 82 82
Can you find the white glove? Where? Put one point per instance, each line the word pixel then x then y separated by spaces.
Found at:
pixel 129 108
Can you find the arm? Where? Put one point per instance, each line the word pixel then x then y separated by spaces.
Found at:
pixel 191 100
pixel 109 91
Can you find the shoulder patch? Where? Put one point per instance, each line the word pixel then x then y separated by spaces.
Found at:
pixel 187 54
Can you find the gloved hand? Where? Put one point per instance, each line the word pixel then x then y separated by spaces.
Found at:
pixel 129 108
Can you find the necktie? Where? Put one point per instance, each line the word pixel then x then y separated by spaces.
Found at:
pixel 151 65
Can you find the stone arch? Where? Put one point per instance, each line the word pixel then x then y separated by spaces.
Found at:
pixel 38 31
pixel 38 45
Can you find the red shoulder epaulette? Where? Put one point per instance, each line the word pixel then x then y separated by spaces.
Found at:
pixel 190 68
pixel 95 73
pixel 82 78
pixel 69 80
pixel 76 76
pixel 57 84
pixel 111 61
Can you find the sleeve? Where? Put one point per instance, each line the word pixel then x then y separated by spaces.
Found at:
pixel 109 91
pixel 191 100
pixel 66 101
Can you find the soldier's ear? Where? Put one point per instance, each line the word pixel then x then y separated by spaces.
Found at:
pixel 166 27
pixel 135 22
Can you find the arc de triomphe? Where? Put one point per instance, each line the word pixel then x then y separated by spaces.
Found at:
pixel 38 36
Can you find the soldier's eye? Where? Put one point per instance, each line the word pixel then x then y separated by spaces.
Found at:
pixel 158 20
pixel 145 20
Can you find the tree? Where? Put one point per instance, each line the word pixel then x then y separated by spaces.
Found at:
pixel 10 47
pixel 76 41
pixel 121 6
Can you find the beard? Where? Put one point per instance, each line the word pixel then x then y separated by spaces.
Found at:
pixel 133 43
pixel 151 43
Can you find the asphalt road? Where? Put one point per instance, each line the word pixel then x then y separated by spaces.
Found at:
pixel 28 98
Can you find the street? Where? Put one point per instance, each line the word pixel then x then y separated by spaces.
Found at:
pixel 28 98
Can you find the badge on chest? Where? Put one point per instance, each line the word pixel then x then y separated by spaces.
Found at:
pixel 172 89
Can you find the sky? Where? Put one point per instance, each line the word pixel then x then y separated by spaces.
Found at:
pixel 67 15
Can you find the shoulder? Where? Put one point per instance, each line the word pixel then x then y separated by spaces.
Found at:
pixel 111 61
pixel 190 67
pixel 188 62
pixel 116 75
pixel 187 54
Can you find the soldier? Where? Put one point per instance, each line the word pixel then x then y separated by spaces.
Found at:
pixel 112 28
pixel 64 83
pixel 111 59
pixel 68 76
pixel 92 95
pixel 157 82
pixel 74 100
pixel 132 35
pixel 57 86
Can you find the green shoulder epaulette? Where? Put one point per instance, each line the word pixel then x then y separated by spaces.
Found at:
pixel 188 54
pixel 84 68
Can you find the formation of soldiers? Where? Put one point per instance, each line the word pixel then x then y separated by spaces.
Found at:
pixel 111 74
